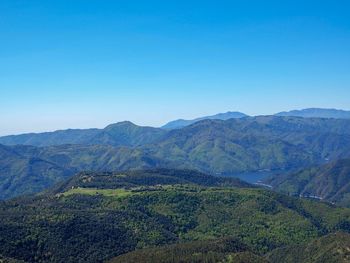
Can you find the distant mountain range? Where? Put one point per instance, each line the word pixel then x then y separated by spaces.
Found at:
pixel 128 193
pixel 305 113
pixel 119 134
pixel 212 146
pixel 330 182
pixel 220 116
pixel 128 134
pixel 317 113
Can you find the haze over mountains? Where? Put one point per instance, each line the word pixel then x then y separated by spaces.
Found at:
pixel 228 147
pixel 128 134
pixel 128 193
pixel 220 116
pixel 118 134
pixel 317 113
pixel 174 131
pixel 237 146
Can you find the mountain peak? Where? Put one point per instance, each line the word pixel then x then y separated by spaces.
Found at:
pixel 180 123
pixel 119 124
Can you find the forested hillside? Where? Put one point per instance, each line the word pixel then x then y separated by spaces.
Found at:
pixel 332 248
pixel 20 174
pixel 212 146
pixel 330 182
pixel 95 217
pixel 118 134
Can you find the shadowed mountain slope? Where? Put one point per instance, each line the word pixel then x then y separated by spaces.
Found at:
pixel 20 174
pixel 250 144
pixel 330 182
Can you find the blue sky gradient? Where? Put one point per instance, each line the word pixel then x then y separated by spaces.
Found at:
pixel 70 64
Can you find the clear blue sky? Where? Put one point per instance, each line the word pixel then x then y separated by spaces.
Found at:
pixel 87 63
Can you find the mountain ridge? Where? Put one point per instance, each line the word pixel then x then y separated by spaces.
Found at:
pixel 95 217
pixel 126 133
pixel 180 123
pixel 123 133
pixel 212 146
pixel 317 113
pixel 330 182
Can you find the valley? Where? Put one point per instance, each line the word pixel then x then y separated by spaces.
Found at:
pixel 250 189
pixel 174 131
pixel 219 147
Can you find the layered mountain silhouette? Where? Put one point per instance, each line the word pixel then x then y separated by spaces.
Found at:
pixel 212 146
pixel 180 123
pixel 128 134
pixel 128 193
pixel 119 134
pixel 317 113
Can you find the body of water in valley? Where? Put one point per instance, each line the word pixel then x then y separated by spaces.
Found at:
pixel 255 177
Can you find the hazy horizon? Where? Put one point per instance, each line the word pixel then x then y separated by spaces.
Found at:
pixel 103 125
pixel 83 64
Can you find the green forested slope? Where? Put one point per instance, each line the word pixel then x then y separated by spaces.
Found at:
pixel 330 182
pixel 118 134
pixel 211 146
pixel 20 174
pixel 332 248
pixel 96 217
pixel 212 250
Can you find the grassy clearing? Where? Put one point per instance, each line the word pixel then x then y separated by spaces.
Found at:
pixel 95 191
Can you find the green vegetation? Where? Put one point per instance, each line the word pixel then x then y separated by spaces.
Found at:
pixel 329 182
pixel 21 174
pixel 332 248
pixel 93 191
pixel 118 134
pixel 217 250
pixel 211 146
pixel 94 217
pixel 142 179
pixel 161 215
